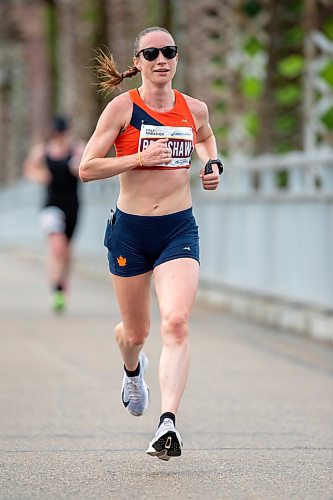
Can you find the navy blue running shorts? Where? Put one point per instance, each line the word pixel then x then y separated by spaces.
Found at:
pixel 137 243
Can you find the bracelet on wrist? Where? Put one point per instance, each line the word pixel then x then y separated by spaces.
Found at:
pixel 139 159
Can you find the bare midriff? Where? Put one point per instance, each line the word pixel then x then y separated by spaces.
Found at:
pixel 154 193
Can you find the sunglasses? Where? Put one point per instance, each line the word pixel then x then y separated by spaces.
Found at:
pixel 151 53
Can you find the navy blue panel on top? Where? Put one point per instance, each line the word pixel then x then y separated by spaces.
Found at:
pixel 139 116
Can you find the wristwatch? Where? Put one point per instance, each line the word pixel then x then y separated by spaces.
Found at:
pixel 209 169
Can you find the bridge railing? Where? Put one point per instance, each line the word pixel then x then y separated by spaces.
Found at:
pixel 266 235
pixel 298 173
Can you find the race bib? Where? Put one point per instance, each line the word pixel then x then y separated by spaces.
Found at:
pixel 180 141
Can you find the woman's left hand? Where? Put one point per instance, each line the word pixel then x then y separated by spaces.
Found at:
pixel 211 181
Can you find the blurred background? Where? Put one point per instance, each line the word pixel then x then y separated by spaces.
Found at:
pixel 265 70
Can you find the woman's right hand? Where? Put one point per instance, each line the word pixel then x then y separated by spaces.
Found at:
pixel 156 153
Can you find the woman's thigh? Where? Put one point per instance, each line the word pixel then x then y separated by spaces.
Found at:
pixel 133 296
pixel 176 284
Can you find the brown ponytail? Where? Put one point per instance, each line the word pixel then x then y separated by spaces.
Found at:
pixel 108 74
pixel 106 69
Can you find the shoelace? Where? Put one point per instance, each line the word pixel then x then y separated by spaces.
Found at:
pixel 134 389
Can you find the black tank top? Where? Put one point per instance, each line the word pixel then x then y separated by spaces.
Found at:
pixel 62 191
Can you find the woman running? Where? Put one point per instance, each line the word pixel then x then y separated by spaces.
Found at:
pixel 55 164
pixel 154 129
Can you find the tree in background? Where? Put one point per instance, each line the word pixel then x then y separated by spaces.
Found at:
pixel 25 94
pixel 264 67
pixel 78 26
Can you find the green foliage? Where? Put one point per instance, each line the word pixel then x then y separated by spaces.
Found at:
pixel 221 132
pixel 294 37
pixel 267 105
pixel 327 118
pixel 252 87
pixel 154 13
pixel 295 6
pixel 286 124
pixel 252 124
pixel 327 73
pixel 328 28
pixel 291 66
pixel 252 7
pixel 252 46
pixel 221 107
pixel 51 31
pixel 217 59
pixel 92 13
pixel 288 95
pixel 218 83
pixel 51 24
pixel 214 35
pixel 283 147
pixel 94 17
pixel 282 179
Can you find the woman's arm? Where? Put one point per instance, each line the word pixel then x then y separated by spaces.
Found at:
pixel 205 144
pixel 34 167
pixel 94 165
pixel 115 117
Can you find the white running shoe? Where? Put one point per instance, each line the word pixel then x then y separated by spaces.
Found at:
pixel 167 442
pixel 134 391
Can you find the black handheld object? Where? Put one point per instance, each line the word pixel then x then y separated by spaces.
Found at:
pixel 209 168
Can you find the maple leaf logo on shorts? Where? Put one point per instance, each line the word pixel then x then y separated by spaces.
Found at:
pixel 121 261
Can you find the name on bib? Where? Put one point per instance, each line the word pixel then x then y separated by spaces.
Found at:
pixel 180 141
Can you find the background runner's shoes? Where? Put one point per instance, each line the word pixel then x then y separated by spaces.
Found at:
pixel 134 391
pixel 59 301
pixel 167 442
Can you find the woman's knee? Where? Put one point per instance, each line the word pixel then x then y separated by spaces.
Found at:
pixel 133 336
pixel 174 326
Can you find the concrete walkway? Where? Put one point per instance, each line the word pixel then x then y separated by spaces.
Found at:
pixel 256 418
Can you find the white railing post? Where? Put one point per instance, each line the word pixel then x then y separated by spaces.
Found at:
pixel 267 181
pixel 296 180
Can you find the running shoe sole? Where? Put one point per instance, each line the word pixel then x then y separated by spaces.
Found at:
pixel 165 447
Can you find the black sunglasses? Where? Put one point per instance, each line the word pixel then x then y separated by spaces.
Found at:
pixel 151 53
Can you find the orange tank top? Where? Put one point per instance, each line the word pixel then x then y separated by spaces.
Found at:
pixel 147 125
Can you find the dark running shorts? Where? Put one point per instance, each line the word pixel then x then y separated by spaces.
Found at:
pixel 56 220
pixel 137 243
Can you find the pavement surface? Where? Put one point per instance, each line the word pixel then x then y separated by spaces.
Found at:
pixel 256 417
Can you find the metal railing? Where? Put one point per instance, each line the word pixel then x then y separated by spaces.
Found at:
pixel 267 237
pixel 267 232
